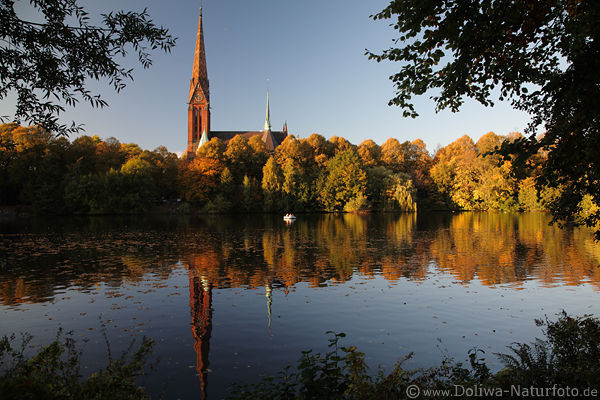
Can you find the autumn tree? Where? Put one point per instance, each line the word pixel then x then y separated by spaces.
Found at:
pixel 392 155
pixel 340 144
pixel 453 173
pixel 418 163
pixel 471 178
pixel 199 179
pixel 321 147
pixel 369 152
pixel 497 188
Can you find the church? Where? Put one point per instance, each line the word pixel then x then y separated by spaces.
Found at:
pixel 199 131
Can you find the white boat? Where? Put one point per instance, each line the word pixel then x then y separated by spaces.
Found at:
pixel 289 217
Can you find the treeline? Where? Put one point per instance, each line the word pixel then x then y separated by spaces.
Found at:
pixel 87 175
pixel 90 175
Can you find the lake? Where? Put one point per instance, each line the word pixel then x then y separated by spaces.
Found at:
pixel 231 298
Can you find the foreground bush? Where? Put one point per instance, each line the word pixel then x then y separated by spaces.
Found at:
pixel 568 357
pixel 566 363
pixel 54 372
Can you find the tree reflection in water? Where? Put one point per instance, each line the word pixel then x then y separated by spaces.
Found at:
pixel 39 263
pixel 494 248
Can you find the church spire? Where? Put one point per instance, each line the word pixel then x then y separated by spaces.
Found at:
pixel 199 97
pixel 268 116
pixel 199 72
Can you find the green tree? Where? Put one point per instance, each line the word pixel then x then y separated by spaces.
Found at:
pixel 84 152
pixel 45 191
pixel 343 181
pixel 109 155
pixel 214 149
pixel 225 196
pixel 250 195
pixel 377 186
pixel 52 59
pixel 291 178
pixel 239 157
pixel 260 155
pixel 542 56
pixel 299 172
pixel 130 150
pixel 272 185
pixel 165 175
pixel 402 193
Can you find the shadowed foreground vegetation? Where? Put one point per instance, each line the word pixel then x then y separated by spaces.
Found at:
pixel 54 372
pixel 568 358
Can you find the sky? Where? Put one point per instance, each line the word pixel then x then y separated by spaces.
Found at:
pixel 311 55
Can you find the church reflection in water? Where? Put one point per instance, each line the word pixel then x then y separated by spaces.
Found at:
pixel 201 292
pixel 201 310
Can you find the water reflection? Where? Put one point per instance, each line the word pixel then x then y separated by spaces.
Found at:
pixel 40 262
pixel 201 310
pixel 505 248
pixel 321 258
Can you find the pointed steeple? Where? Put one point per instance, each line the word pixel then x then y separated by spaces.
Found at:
pixel 199 72
pixel 267 127
pixel 285 127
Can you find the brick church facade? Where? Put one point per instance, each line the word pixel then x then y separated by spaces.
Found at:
pixel 199 131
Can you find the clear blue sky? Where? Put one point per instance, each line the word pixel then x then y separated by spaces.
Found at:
pixel 313 53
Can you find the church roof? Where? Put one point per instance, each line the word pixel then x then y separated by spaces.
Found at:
pixel 273 140
pixel 199 72
pixel 270 141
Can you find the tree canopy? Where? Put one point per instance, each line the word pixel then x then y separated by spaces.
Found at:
pixel 47 64
pixel 542 56
pixel 44 174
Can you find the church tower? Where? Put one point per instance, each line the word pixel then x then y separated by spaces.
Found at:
pixel 199 97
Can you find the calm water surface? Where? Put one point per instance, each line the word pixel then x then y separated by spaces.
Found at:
pixel 233 298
